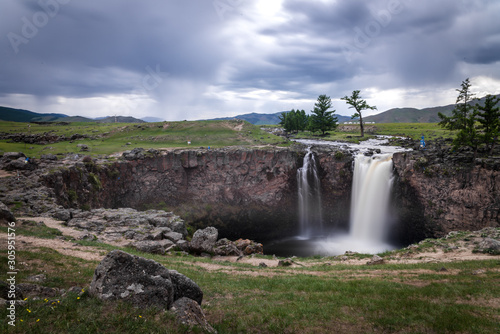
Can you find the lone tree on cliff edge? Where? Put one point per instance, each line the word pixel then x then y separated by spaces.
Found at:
pixel 322 119
pixel 355 101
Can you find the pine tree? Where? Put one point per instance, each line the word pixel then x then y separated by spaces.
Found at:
pixel 321 119
pixel 488 117
pixel 463 119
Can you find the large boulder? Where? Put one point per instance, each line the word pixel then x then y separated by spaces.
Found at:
pixel 203 241
pixel 142 282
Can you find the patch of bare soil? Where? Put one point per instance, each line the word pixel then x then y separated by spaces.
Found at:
pixel 440 256
pixel 4 173
pixel 53 223
pixel 61 246
pixel 236 126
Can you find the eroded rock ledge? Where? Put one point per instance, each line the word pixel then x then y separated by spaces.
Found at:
pixel 436 194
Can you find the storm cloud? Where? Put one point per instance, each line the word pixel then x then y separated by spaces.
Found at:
pixel 197 59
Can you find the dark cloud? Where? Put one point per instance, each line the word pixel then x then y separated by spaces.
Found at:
pixel 191 56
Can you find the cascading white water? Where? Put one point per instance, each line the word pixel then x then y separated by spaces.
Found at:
pixel 309 188
pixel 372 182
pixel 370 215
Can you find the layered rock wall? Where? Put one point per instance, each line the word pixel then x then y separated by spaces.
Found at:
pixel 247 193
pixel 241 192
pixel 434 196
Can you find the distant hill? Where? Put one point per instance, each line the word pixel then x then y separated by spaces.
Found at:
pixel 21 115
pixel 413 115
pixel 268 119
pixel 75 119
pixel 254 118
pixel 152 119
pixel 121 119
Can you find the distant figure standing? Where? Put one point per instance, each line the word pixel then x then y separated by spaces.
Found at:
pixel 422 143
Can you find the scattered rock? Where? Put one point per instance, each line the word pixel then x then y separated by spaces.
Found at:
pixel 376 260
pixel 262 265
pixel 173 236
pixel 5 288
pixel 285 263
pixel 62 215
pixel 489 245
pixel 189 313
pixel 182 245
pixel 135 154
pixel 478 272
pixel 8 156
pixel 225 247
pixel 6 214
pixel 51 157
pixel 153 246
pixel 32 290
pixel 37 278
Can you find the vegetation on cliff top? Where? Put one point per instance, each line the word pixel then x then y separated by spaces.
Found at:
pixel 116 137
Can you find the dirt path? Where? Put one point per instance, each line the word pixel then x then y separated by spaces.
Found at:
pixel 61 246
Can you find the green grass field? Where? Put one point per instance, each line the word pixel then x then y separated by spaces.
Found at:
pixel 239 298
pixel 111 137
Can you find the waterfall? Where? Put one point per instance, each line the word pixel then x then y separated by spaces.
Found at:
pixel 372 181
pixel 309 188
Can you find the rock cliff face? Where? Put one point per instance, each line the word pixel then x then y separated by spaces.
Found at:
pixel 434 196
pixel 243 193
pixel 252 193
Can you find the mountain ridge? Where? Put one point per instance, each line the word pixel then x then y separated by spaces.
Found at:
pixel 394 115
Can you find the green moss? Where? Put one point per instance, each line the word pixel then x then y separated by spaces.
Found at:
pixel 95 181
pixel 72 196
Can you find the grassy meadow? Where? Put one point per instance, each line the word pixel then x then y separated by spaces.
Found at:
pixel 240 298
pixel 110 138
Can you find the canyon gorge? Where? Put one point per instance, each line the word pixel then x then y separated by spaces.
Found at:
pixel 253 192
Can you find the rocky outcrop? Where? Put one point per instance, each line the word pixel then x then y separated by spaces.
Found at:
pixel 152 231
pixel 143 282
pixel 436 194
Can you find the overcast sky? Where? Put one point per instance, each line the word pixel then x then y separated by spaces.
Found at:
pixel 198 59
